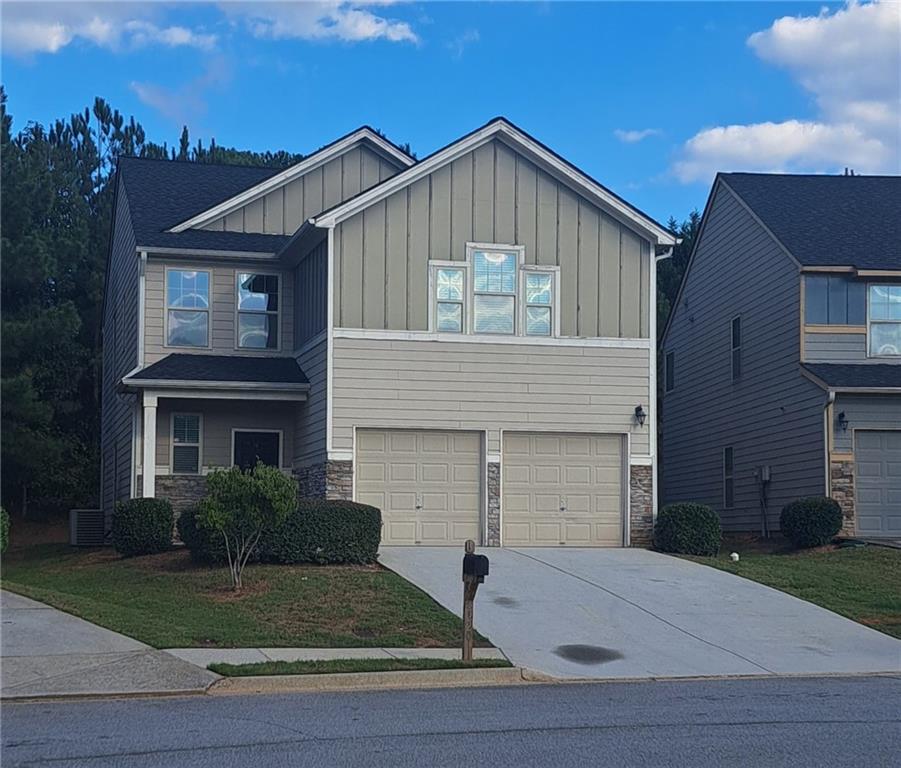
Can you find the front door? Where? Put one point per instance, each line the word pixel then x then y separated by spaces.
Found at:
pixel 251 447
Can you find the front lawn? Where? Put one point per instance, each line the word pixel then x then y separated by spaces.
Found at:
pixel 168 602
pixel 862 583
pixel 336 666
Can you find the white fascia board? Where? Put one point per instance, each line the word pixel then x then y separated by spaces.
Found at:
pixel 205 253
pixel 528 147
pixel 306 165
pixel 248 388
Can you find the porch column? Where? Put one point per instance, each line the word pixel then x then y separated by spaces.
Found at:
pixel 149 451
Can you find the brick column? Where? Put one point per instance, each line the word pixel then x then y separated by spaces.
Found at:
pixel 641 506
pixel 842 477
pixel 494 504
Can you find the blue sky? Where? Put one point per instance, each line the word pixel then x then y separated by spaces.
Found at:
pixel 651 99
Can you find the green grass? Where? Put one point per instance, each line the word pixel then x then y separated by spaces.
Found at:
pixel 168 602
pixel 336 666
pixel 861 583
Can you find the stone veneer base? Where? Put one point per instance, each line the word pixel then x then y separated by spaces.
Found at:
pixel 641 505
pixel 841 474
pixel 326 480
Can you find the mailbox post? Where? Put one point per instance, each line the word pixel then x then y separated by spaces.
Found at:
pixel 475 569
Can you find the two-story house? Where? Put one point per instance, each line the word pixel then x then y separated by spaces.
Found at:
pixel 782 356
pixel 465 341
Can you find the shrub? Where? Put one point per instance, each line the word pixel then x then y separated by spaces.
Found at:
pixel 324 532
pixel 4 529
pixel 241 506
pixel 688 529
pixel 142 527
pixel 206 546
pixel 811 522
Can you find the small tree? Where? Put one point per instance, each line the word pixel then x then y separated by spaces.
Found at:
pixel 240 506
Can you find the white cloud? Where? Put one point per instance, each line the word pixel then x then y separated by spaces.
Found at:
pixel 633 137
pixel 185 104
pixel 329 20
pixel 459 44
pixel 32 28
pixel 850 61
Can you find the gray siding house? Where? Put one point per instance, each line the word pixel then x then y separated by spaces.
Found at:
pixel 464 341
pixel 782 356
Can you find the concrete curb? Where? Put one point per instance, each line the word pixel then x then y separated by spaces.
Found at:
pixel 362 681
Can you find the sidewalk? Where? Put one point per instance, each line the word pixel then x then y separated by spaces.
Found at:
pixel 47 653
pixel 205 656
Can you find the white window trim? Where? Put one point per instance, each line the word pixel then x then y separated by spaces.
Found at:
pixel 870 322
pixel 520 253
pixel 739 348
pixel 554 272
pixel 281 443
pixel 667 367
pixel 167 308
pixel 730 476
pixel 434 266
pixel 278 314
pixel 199 443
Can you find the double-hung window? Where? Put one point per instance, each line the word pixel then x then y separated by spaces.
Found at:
pixel 834 300
pixel 258 310
pixel 449 282
pixel 736 348
pixel 494 278
pixel 539 302
pixel 186 443
pixel 187 308
pixel 728 478
pixel 885 320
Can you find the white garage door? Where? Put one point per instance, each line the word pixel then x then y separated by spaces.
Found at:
pixel 562 489
pixel 427 484
pixel 878 482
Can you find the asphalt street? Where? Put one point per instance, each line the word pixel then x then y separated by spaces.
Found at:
pixel 752 722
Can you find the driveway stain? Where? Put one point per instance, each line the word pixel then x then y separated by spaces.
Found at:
pixel 506 602
pixel 587 654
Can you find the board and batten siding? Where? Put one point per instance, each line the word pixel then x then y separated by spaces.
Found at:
pixel 864 411
pixel 490 195
pixel 842 347
pixel 772 414
pixel 282 211
pixel 120 355
pixel 223 310
pixel 382 383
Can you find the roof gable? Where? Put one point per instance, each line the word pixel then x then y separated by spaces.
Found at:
pixel 362 136
pixel 502 130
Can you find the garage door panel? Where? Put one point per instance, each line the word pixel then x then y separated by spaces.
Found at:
pixel 546 446
pixel 467 473
pixel 516 473
pixel 400 442
pixel 546 475
pixel 402 472
pixel 878 482
pixel 367 471
pixel 434 473
pixel 577 475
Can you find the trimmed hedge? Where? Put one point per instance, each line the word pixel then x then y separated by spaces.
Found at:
pixel 325 532
pixel 4 529
pixel 811 522
pixel 142 527
pixel 206 546
pixel 688 529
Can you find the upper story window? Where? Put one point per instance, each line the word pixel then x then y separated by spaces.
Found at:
pixel 834 300
pixel 187 308
pixel 885 320
pixel 669 372
pixel 492 292
pixel 258 310
pixel 736 348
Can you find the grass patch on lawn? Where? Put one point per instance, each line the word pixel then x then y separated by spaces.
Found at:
pixel 861 583
pixel 169 602
pixel 336 666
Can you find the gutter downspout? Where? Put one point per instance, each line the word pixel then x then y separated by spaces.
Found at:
pixel 827 423
pixel 654 395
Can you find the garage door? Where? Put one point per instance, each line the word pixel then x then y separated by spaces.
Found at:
pixel 878 483
pixel 562 489
pixel 427 484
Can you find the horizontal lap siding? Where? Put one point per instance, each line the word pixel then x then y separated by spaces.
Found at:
pixel 282 211
pixel 223 292
pixel 772 415
pixel 837 348
pixel 864 412
pixel 491 194
pixel 446 385
pixel 310 429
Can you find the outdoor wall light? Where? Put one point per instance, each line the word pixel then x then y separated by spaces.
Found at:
pixel 843 421
pixel 640 415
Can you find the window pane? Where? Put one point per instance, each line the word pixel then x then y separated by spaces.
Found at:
pixel 729 492
pixel 494 272
pixel 251 447
pixel 670 371
pixel 493 314
pixel 815 299
pixel 185 429
pixel 736 364
pixel 538 288
pixel 187 329
pixel 258 292
pixel 538 321
pixel 185 459
pixel 885 339
pixel 736 332
pixel 187 289
pixel 857 303
pixel 450 284
pixel 838 300
pixel 257 331
pixel 450 317
pixel 727 461
pixel 885 302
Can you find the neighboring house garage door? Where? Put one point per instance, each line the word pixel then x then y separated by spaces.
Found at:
pixel 878 483
pixel 562 489
pixel 427 484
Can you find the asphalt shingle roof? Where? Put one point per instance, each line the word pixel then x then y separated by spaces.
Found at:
pixel 163 193
pixel 862 375
pixel 187 367
pixel 828 220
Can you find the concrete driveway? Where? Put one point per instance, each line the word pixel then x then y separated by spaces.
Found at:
pixel 631 613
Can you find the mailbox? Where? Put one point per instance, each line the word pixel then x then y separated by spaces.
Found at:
pixel 475 566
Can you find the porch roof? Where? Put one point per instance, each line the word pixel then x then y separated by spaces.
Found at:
pixel 860 376
pixel 268 372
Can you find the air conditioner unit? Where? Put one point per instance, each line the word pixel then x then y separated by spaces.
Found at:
pixel 87 528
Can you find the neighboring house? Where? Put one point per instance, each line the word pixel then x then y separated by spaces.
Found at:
pixel 465 341
pixel 782 356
